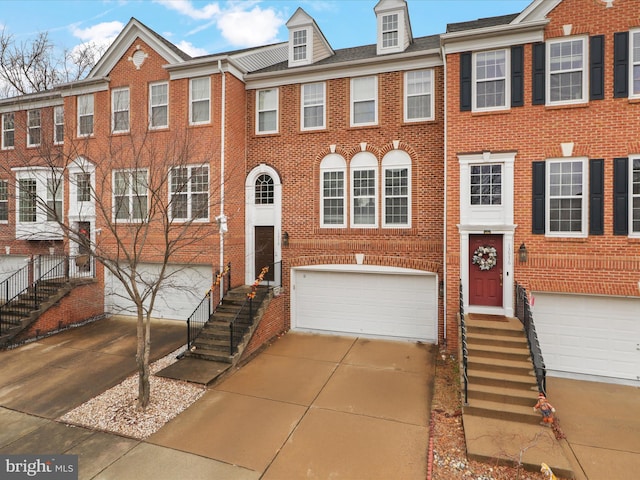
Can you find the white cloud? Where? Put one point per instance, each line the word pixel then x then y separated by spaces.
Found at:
pixel 99 34
pixel 191 49
pixel 185 7
pixel 248 28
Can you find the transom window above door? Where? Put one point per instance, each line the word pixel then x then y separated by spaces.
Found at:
pixel 485 184
pixel 264 190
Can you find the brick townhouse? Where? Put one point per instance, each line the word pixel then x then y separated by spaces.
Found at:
pixel 370 177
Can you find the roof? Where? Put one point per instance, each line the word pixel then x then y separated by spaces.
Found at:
pixel 481 23
pixel 346 55
pixel 166 42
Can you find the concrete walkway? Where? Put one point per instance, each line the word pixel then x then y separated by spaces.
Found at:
pixel 309 406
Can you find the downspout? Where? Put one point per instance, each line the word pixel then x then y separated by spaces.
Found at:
pixel 444 237
pixel 222 220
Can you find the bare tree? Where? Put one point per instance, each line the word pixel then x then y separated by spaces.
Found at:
pixel 154 200
pixel 36 66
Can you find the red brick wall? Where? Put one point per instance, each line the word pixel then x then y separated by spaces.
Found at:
pixel 598 264
pixel 273 322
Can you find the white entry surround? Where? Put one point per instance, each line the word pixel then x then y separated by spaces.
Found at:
pixel 365 300
pixel 494 219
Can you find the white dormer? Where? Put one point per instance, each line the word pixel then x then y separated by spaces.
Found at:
pixel 307 44
pixel 394 28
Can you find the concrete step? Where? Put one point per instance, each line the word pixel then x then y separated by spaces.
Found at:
pixel 513 396
pixel 511 327
pixel 497 340
pixel 500 379
pixel 211 356
pixel 498 353
pixel 502 411
pixel 511 367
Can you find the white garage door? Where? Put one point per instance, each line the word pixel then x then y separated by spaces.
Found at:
pixel 179 296
pixel 396 303
pixel 591 335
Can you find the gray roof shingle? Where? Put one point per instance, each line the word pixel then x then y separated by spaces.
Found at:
pixel 481 23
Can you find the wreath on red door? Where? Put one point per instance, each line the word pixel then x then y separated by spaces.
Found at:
pixel 485 257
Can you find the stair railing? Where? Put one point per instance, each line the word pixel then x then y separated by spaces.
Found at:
pixel 464 348
pixel 523 312
pixel 247 311
pixel 209 304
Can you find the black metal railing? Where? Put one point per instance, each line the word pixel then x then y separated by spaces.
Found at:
pixel 523 312
pixel 464 348
pixel 244 317
pixel 208 305
pixel 24 290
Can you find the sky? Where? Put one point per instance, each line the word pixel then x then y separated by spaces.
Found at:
pixel 210 27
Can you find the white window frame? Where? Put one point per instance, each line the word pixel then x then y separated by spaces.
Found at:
pixel 86 112
pixel 130 194
pixel 332 164
pixel 358 97
pixel 634 61
pixel 395 160
pixel 6 130
pixel 300 45
pixel 193 100
pixel 42 227
pixel 187 189
pixel 632 233
pixel 153 106
pixel 270 108
pixel 506 78
pixel 34 124
pixel 120 107
pixel 58 121
pixel 490 184
pixel 4 200
pixel 363 161
pixel 386 30
pixel 583 196
pixel 313 103
pixel 427 93
pixel 584 70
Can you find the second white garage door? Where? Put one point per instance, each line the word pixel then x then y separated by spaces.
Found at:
pixel 366 300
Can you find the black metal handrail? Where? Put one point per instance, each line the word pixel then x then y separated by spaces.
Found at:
pixel 244 317
pixel 208 305
pixel 523 312
pixel 463 347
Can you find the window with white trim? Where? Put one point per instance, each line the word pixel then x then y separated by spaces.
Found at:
pixel 396 194
pixel 264 192
pixel 199 100
pixel 566 202
pixel 54 199
pixel 82 183
pixel 58 124
pixel 267 111
pixel 34 128
pixel 364 204
pixel 85 115
pixel 313 106
pixel 120 109
pixel 485 182
pixel 4 201
pixel 333 172
pixel 8 130
pixel 634 198
pixel 299 45
pixel 159 105
pixel 390 31
pixel 418 97
pixel 27 200
pixel 364 101
pixel 567 70
pixel 189 195
pixel 130 191
pixel 635 63
pixel 491 81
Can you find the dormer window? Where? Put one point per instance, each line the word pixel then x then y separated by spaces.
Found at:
pixel 299 45
pixel 390 31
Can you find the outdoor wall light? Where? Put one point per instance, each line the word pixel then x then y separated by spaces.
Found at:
pixel 285 239
pixel 523 254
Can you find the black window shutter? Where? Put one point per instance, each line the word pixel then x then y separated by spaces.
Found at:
pixel 621 64
pixel 596 196
pixel 538 206
pixel 517 76
pixel 596 70
pixel 465 82
pixel 620 196
pixel 538 92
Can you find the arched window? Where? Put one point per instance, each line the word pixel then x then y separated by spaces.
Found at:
pixel 333 170
pixel 396 189
pixel 264 190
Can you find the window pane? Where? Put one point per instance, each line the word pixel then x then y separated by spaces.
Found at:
pixel 364 112
pixel 264 190
pixel 267 121
pixel 486 184
pixel 565 191
pixel 333 194
pixel 83 187
pixel 364 191
pixel 4 200
pixel 27 200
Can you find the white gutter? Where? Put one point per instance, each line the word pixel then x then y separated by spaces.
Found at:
pixel 222 220
pixel 444 230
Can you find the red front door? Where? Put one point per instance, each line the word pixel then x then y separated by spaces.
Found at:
pixel 485 274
